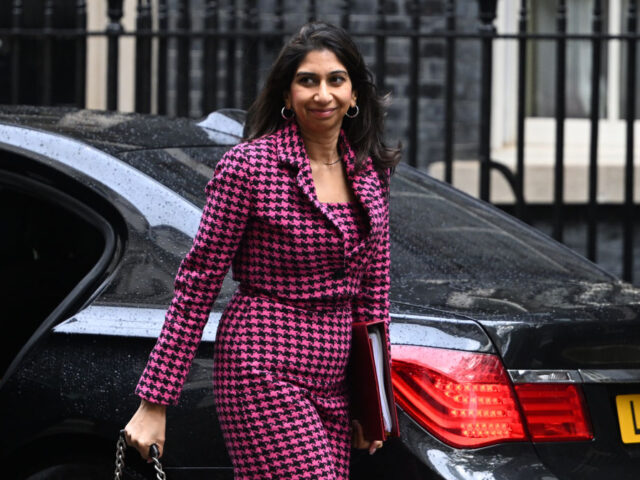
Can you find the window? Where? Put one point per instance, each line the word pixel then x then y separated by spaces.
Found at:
pixel 541 79
pixel 49 244
pixel 540 124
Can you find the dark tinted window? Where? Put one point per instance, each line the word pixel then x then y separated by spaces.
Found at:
pixel 46 248
pixel 441 235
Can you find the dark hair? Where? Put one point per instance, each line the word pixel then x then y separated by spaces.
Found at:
pixel 363 132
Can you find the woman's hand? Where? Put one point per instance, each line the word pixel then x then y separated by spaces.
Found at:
pixel 358 440
pixel 146 427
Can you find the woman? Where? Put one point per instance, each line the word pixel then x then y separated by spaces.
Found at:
pixel 301 211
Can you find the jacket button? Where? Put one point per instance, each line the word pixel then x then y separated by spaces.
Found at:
pixel 339 274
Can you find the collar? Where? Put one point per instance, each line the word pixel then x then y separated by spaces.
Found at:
pixel 291 149
pixel 366 184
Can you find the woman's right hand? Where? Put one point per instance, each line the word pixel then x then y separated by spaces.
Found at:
pixel 358 440
pixel 146 427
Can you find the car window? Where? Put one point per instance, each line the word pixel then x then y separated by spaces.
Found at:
pixel 47 246
pixel 441 235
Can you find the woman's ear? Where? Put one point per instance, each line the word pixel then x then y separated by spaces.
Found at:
pixel 354 98
pixel 285 97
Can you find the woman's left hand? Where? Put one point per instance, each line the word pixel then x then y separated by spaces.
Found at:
pixel 358 440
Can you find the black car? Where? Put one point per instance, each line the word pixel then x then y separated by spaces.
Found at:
pixel 513 357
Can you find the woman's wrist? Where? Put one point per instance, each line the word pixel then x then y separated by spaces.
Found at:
pixel 147 405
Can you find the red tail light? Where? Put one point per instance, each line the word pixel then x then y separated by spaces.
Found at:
pixel 554 412
pixel 466 399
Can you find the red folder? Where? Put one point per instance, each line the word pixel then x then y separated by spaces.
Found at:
pixel 366 390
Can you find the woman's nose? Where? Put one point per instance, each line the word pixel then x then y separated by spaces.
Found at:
pixel 322 94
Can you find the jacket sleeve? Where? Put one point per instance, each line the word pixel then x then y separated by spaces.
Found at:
pixel 372 300
pixel 199 280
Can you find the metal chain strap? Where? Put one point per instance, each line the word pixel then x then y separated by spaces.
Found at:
pixel 120 452
pixel 156 463
pixel 120 448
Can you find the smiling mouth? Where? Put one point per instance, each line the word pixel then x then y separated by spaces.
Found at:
pixel 323 112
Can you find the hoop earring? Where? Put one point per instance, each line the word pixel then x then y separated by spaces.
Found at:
pixel 353 115
pixel 284 115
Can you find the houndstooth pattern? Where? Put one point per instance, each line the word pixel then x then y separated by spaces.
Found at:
pixel 350 219
pixel 306 271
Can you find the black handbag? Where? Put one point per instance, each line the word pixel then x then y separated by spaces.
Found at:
pixel 154 453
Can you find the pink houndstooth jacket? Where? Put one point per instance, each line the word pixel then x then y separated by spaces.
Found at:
pixel 260 217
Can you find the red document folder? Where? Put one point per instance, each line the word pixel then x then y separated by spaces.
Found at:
pixel 371 390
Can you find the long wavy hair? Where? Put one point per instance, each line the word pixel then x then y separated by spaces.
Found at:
pixel 365 132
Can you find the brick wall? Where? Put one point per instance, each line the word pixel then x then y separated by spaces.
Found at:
pixel 364 19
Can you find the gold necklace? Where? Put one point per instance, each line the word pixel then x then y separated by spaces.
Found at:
pixel 333 163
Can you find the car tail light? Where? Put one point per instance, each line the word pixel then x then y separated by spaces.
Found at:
pixel 467 400
pixel 554 412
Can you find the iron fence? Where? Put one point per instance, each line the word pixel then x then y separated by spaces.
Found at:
pixel 233 32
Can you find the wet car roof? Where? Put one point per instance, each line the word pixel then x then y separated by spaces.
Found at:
pixel 116 132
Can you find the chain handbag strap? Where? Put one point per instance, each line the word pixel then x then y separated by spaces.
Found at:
pixel 154 453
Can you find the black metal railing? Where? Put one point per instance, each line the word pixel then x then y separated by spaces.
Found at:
pixel 632 20
pixel 234 38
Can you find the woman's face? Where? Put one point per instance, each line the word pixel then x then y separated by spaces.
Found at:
pixel 320 93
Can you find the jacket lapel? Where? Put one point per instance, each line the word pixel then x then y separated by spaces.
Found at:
pixel 366 185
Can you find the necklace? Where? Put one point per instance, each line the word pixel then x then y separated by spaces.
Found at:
pixel 333 163
pixel 330 163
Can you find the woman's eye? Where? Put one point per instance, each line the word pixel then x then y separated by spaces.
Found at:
pixel 338 80
pixel 306 80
